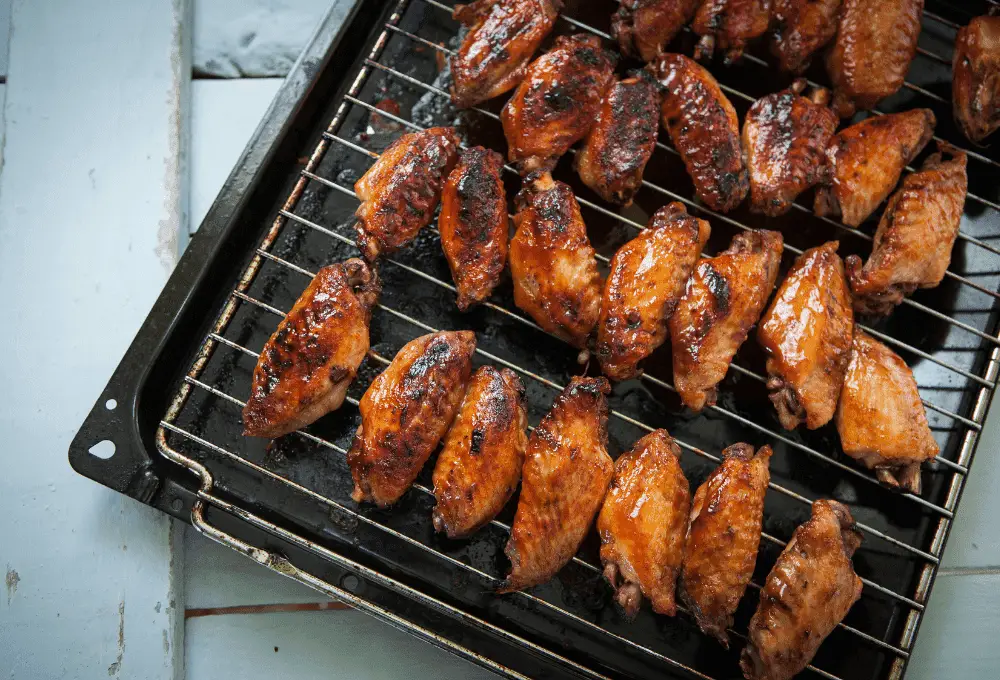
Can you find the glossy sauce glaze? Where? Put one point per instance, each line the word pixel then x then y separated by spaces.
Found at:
pixel 800 29
pixel 643 28
pixel 975 83
pixel 729 25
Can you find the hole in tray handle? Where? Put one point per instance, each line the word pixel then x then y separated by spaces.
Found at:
pixel 103 449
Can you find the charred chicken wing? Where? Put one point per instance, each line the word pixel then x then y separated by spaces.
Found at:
pixel 801 28
pixel 644 27
pixel 975 84
pixel 729 25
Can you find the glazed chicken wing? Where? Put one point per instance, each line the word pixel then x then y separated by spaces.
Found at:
pixel 642 524
pixel 704 129
pixel 400 192
pixel 566 474
pixel 723 299
pixel 806 334
pixel 722 539
pixel 864 163
pixel 406 411
pixel 729 25
pixel 557 102
pixel 644 27
pixel 503 35
pixel 808 592
pixel 647 279
pixel 785 137
pixel 880 418
pixel 474 225
pixel 801 28
pixel 915 236
pixel 305 368
pixel 479 465
pixel 975 83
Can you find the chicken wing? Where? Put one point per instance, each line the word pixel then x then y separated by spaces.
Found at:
pixel 406 411
pixel 474 225
pixel 801 28
pixel 642 524
pixel 864 162
pixel 566 474
pixel 557 102
pixel 723 299
pixel 644 27
pixel 400 192
pixel 785 137
pixel 722 540
pixel 808 592
pixel 729 25
pixel 479 465
pixel 552 263
pixel 622 140
pixel 880 418
pixel 915 236
pixel 876 41
pixel 647 279
pixel 975 83
pixel 704 129
pixel 305 368
pixel 503 36
pixel 806 334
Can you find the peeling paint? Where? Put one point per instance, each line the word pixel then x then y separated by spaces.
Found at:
pixel 157 607
pixel 117 665
pixel 12 580
pixel 166 642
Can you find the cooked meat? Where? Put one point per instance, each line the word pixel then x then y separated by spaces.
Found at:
pixel 480 463
pixel 642 524
pixel 566 474
pixel 806 334
pixel 400 192
pixel 723 299
pixel 305 368
pixel 808 592
pixel 975 83
pixel 880 418
pixel 915 236
pixel 729 25
pixel 406 411
pixel 864 163
pixel 802 28
pixel 644 27
pixel 647 279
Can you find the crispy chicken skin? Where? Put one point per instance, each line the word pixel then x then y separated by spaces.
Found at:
pixel 406 411
pixel 876 41
pixel 557 102
pixel 723 299
pixel 808 592
pixel 864 162
pixel 479 465
pixel 806 334
pixel 785 137
pixel 622 140
pixel 644 27
pixel 647 279
pixel 722 539
pixel 503 36
pixel 880 418
pixel 474 225
pixel 975 84
pixel 400 192
pixel 800 29
pixel 305 368
pixel 552 264
pixel 913 243
pixel 729 25
pixel 704 129
pixel 566 474
pixel 642 524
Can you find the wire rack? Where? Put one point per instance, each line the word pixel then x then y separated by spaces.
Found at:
pixel 947 335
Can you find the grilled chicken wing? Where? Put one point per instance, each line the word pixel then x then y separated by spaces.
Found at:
pixel 876 41
pixel 806 334
pixel 915 236
pixel 723 299
pixel 503 35
pixel 644 27
pixel 864 163
pixel 474 225
pixel 801 28
pixel 722 539
pixel 480 463
pixel 729 25
pixel 808 592
pixel 306 366
pixel 880 418
pixel 647 279
pixel 642 524
pixel 406 411
pixel 622 140
pixel 552 263
pixel 400 192
pixel 704 129
pixel 785 137
pixel 975 83
pixel 557 102
pixel 566 474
